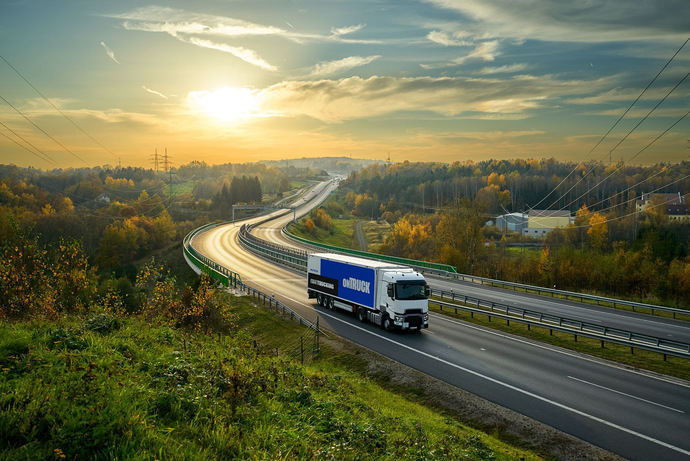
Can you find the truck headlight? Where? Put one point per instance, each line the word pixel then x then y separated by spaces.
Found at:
pixel 426 317
pixel 398 319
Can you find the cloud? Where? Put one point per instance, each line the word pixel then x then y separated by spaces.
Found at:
pixel 446 39
pixel 157 93
pixel 507 69
pixel 484 51
pixel 481 98
pixel 174 21
pixel 177 22
pixel 577 20
pixel 240 52
pixel 109 52
pixel 332 67
pixel 338 31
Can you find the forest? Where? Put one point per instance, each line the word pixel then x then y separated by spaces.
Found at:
pixel 98 226
pixel 445 213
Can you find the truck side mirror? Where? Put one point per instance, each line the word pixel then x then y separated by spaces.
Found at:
pixel 427 291
pixel 391 293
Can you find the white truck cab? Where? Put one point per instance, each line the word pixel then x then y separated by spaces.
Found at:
pixel 387 294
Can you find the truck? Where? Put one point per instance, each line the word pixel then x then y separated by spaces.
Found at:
pixel 389 295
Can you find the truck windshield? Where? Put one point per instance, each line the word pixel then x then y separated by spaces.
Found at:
pixel 410 290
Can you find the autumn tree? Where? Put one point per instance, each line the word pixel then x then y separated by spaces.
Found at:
pixel 598 231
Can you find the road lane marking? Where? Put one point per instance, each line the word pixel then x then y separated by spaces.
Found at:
pixel 559 351
pixel 590 308
pixel 517 389
pixel 627 395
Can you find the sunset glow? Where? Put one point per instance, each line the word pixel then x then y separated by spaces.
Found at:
pixel 441 80
pixel 226 105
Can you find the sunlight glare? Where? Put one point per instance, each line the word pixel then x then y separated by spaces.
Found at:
pixel 227 105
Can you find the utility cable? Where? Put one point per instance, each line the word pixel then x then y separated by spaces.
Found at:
pixel 649 113
pixel 617 218
pixel 45 157
pixel 611 129
pixel 55 107
pixel 41 129
pixel 631 158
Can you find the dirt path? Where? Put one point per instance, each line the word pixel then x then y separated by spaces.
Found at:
pixel 360 238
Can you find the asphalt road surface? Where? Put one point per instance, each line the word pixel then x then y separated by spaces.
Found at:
pixel 633 414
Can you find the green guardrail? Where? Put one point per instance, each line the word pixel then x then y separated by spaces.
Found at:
pixel 380 257
pixel 206 265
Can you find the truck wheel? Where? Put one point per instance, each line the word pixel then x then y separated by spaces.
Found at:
pixel 387 324
pixel 331 303
pixel 362 315
pixel 319 299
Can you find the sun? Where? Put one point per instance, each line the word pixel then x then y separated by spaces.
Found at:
pixel 226 105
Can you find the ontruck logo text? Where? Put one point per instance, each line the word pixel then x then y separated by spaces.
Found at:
pixel 357 285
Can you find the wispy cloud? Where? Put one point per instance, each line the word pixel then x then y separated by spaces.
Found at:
pixel 340 65
pixel 481 98
pixel 507 69
pixel 484 51
pixel 109 52
pixel 245 54
pixel 338 31
pixel 575 21
pixel 157 93
pixel 446 39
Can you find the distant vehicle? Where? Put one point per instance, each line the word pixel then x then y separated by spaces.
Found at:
pixel 386 294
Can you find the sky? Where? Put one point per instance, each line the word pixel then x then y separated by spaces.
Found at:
pixel 427 80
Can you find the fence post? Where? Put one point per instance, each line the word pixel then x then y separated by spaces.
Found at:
pixel 317 334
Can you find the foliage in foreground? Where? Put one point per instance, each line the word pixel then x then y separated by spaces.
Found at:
pixel 119 387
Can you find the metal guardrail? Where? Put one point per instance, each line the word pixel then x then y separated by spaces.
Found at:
pixel 567 295
pixel 417 264
pixel 563 324
pixel 228 278
pixel 297 258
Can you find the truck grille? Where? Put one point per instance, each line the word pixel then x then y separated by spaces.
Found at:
pixel 414 321
pixel 413 311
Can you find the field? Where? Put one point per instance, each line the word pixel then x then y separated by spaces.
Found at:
pixel 117 387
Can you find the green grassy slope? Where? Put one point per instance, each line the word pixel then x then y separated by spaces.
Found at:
pixel 109 387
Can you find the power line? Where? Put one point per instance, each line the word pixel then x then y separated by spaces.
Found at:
pixel 650 192
pixel 41 129
pixel 620 166
pixel 56 108
pixel 610 129
pixel 640 95
pixel 617 218
pixel 45 156
pixel 648 114
pixel 631 187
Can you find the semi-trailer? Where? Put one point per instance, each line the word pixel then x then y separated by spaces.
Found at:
pixel 389 295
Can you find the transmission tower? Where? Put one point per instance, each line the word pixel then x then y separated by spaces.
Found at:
pixel 155 160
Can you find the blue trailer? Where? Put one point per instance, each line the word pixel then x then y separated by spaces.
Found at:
pixel 389 295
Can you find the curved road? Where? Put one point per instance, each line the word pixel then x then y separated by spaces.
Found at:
pixel 636 415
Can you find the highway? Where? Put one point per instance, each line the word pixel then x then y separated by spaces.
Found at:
pixel 635 415
pixel 614 318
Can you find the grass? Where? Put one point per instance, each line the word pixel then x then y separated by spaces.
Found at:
pixel 652 361
pixel 105 387
pixel 341 234
pixel 375 233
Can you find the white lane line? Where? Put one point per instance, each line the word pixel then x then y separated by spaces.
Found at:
pixel 627 395
pixel 554 304
pixel 559 351
pixel 517 389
